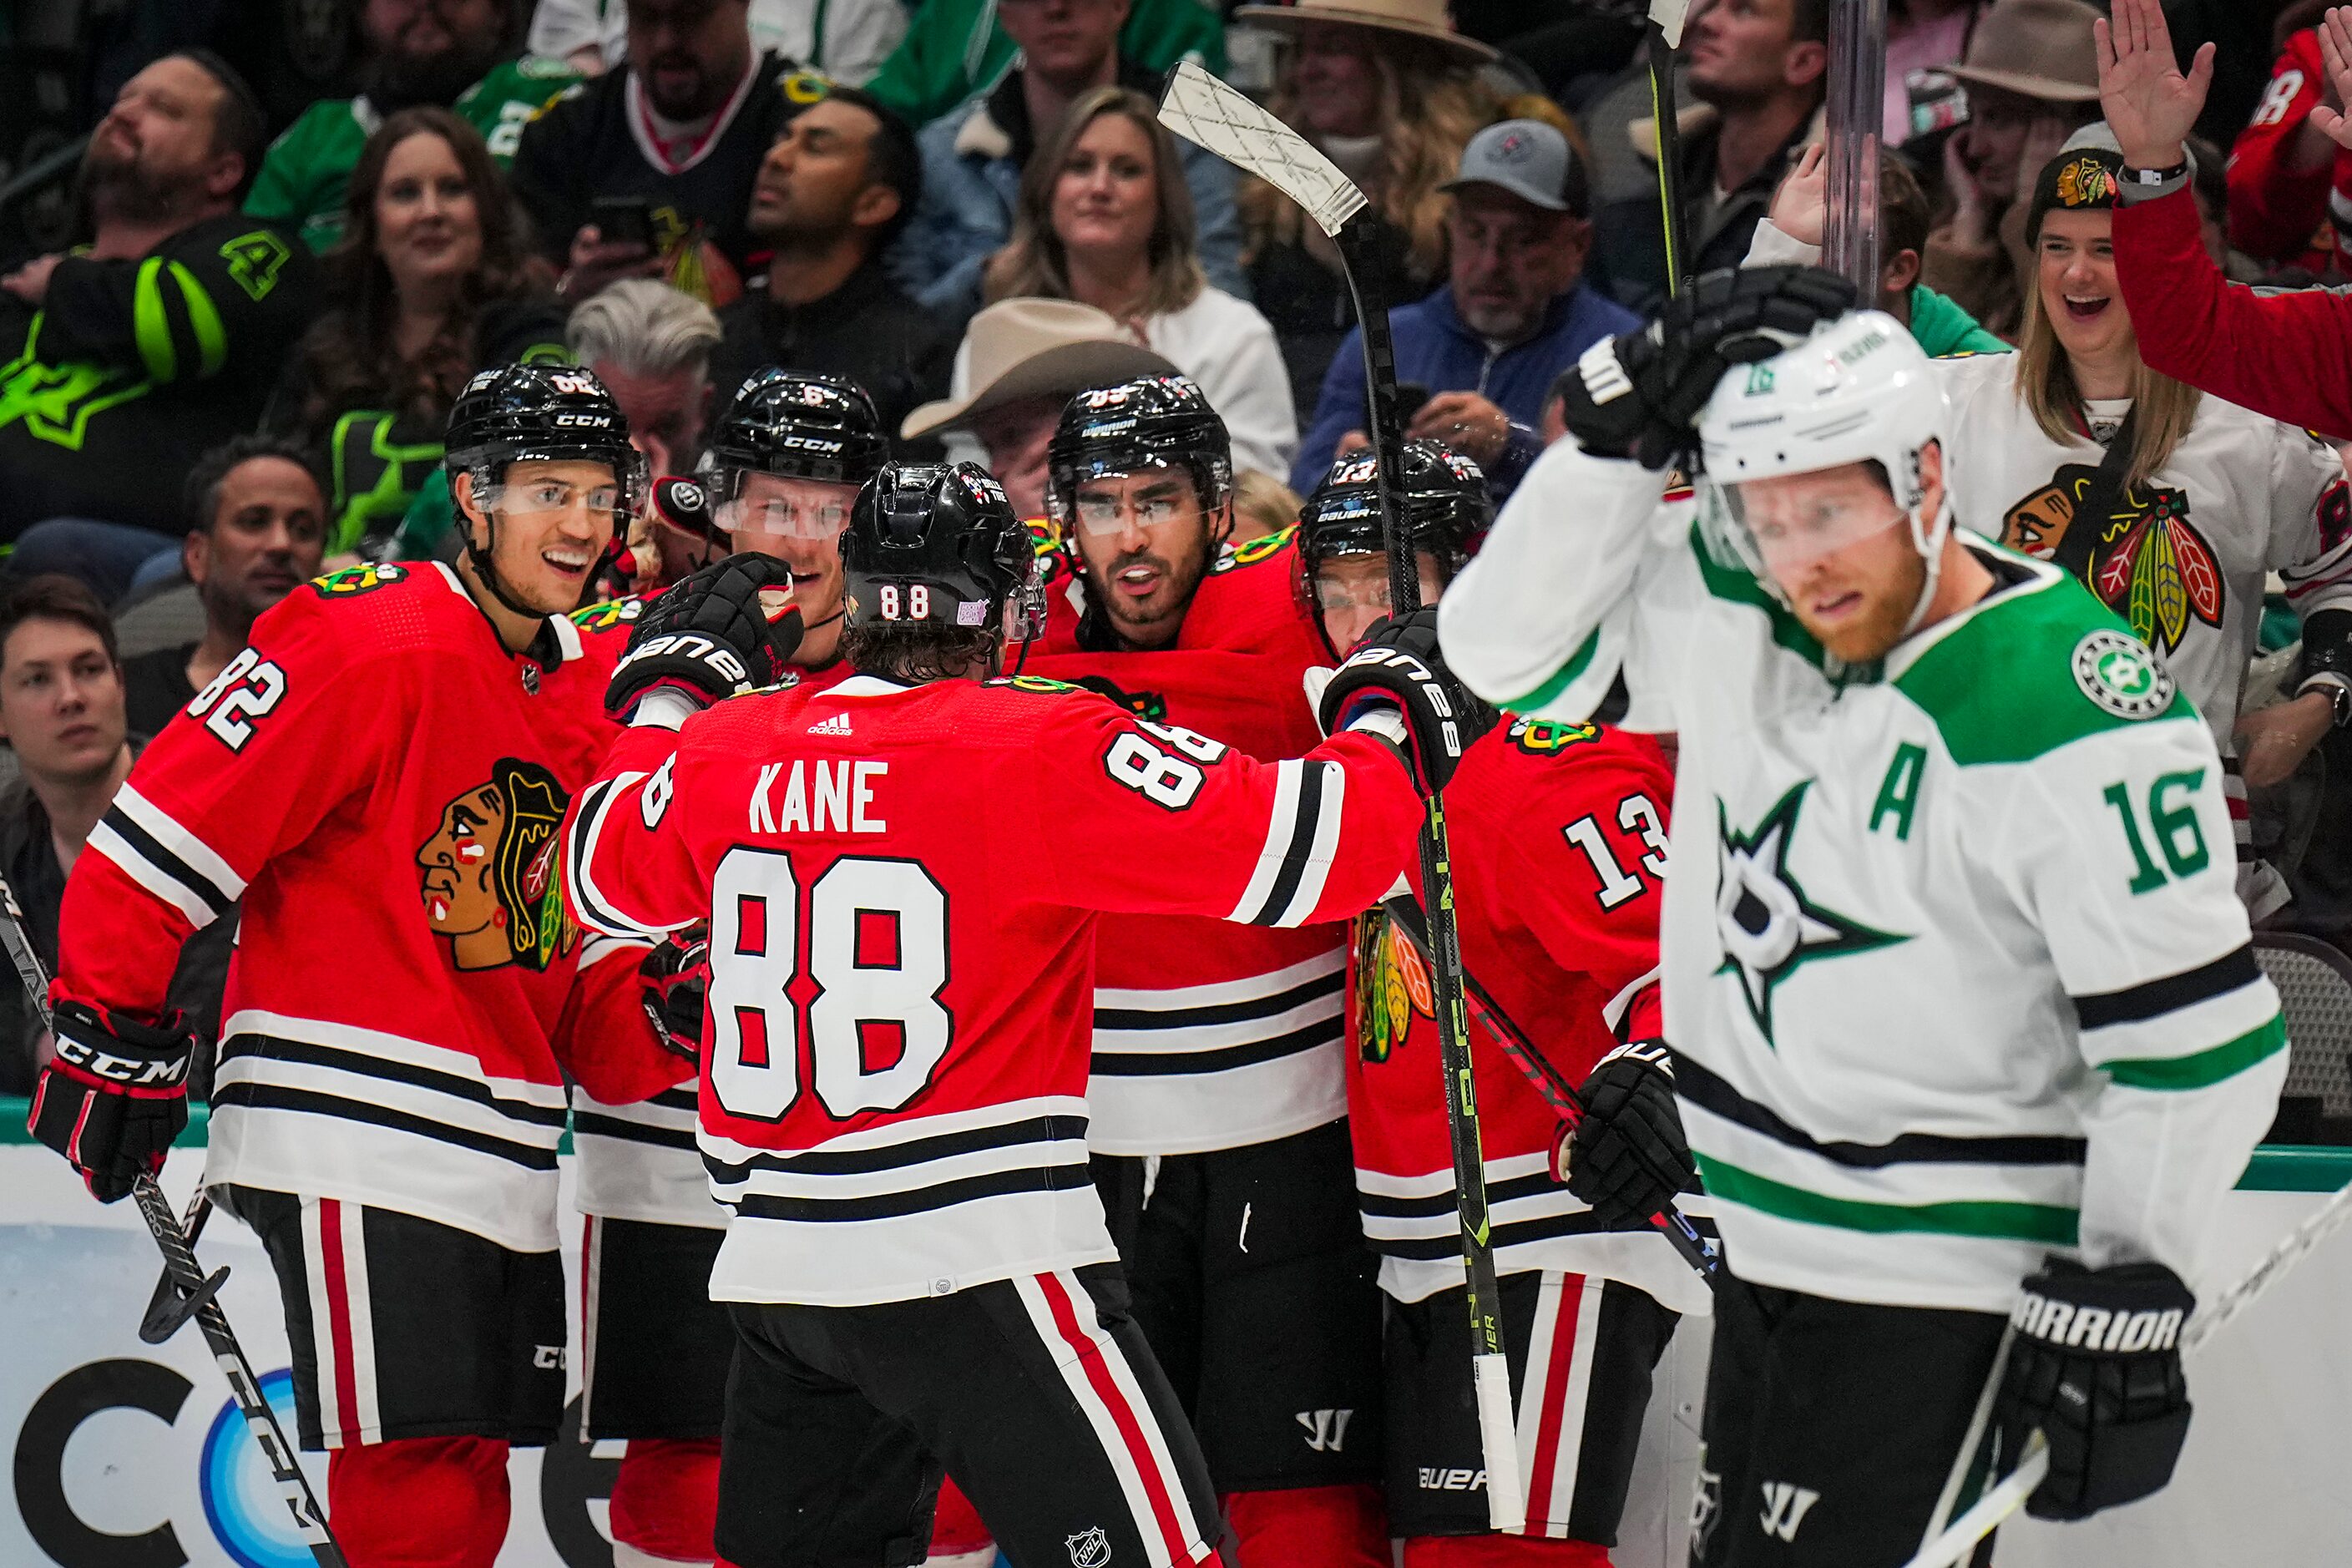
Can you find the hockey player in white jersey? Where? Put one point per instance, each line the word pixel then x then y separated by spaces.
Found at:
pixel 1969 1027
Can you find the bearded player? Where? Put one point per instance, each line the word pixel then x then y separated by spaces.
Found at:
pixel 1969 1037
pixel 1219 1094
pixel 380 777
pixel 893 1100
pixel 1558 857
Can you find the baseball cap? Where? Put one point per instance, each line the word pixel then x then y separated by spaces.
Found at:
pixel 1529 159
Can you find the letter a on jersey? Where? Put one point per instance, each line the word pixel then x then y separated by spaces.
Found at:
pixel 1766 923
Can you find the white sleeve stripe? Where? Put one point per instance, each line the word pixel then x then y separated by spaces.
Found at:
pixel 150 877
pixel 598 947
pixel 1283 822
pixel 1612 1012
pixel 1332 788
pixel 594 909
pixel 199 855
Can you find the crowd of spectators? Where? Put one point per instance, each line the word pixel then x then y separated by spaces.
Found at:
pixel 240 366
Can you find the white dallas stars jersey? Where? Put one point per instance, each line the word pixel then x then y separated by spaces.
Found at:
pixel 1954 975
pixel 2182 557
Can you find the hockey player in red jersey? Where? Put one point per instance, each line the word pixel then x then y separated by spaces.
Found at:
pixel 786 459
pixel 382 777
pixel 1219 1096
pixel 1558 840
pixel 893 1097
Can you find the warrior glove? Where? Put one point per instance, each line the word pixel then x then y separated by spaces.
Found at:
pixel 2095 1364
pixel 708 637
pixel 1640 394
pixel 676 977
pixel 1627 1156
pixel 114 1096
pixel 1396 685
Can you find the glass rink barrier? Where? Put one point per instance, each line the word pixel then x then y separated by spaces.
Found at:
pixel 131 1456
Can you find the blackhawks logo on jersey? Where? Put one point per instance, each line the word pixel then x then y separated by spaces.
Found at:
pixel 1767 927
pixel 1542 738
pixel 345 581
pixel 2148 563
pixel 604 616
pixel 1250 552
pixel 1393 986
pixel 489 871
pixel 1152 705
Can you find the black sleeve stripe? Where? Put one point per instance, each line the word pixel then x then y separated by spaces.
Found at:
pixel 1296 848
pixel 151 849
pixel 2170 993
pixel 1710 1093
pixel 587 814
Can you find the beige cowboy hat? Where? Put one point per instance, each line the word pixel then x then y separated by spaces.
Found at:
pixel 2039 48
pixel 1424 19
pixel 1036 348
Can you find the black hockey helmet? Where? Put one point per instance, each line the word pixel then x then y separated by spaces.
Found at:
pixel 804 427
pixel 513 413
pixel 1444 508
pixel 928 541
pixel 1151 422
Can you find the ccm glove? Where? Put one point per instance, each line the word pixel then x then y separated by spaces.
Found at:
pixel 708 637
pixel 2097 1366
pixel 1396 685
pixel 1627 1157
pixel 676 977
pixel 114 1096
pixel 1640 394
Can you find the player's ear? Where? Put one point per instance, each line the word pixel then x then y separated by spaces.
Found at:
pixel 468 506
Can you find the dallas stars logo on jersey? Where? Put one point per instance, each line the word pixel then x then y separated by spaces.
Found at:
pixel 1766 923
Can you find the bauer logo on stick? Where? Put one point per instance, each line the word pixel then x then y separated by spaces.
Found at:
pixel 2116 671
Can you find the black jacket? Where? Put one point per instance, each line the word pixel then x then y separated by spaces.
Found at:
pixel 865 329
pixel 1630 248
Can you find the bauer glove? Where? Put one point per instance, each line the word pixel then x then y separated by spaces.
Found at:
pixel 1640 394
pixel 676 977
pixel 2095 1364
pixel 114 1096
pixel 1396 684
pixel 1627 1156
pixel 708 637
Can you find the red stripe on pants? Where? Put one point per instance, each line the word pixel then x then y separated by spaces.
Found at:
pixel 339 1313
pixel 1123 1415
pixel 1555 1402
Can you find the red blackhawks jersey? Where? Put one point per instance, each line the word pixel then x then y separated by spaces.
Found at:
pixel 637 1161
pixel 893 1102
pixel 1559 836
pixel 1211 1036
pixel 2280 215
pixel 382 783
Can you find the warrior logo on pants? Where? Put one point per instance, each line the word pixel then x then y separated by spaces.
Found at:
pixel 488 882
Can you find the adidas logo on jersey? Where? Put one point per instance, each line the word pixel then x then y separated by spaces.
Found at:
pixel 836 725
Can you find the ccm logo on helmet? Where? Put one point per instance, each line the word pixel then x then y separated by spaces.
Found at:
pixel 583 421
pixel 808 443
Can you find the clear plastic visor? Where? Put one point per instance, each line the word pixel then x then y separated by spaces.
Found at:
pixel 1150 494
pixel 536 497
pixel 745 501
pixel 1785 523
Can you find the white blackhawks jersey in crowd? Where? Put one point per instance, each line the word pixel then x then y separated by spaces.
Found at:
pixel 2182 557
pixel 1954 973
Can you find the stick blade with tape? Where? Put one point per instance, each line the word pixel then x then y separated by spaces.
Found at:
pixel 1206 112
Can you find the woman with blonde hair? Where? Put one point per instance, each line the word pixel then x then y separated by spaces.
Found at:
pixel 2170 505
pixel 1104 219
pixel 1387 91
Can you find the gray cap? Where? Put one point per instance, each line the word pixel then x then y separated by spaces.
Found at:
pixel 1529 159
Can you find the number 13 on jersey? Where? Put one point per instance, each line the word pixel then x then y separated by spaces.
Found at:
pixel 877 959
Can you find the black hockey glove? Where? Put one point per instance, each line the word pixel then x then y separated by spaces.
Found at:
pixel 708 637
pixel 1398 672
pixel 677 976
pixel 2097 1366
pixel 114 1096
pixel 1640 394
pixel 1627 1157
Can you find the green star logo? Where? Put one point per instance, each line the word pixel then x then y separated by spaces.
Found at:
pixel 1766 923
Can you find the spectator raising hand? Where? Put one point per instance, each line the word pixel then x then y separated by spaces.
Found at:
pixel 2150 104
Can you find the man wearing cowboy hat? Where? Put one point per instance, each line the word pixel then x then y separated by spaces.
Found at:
pixel 1759 68
pixel 2032 80
pixel 1021 362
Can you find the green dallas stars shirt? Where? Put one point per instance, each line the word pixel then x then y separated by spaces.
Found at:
pixel 308 169
pixel 1954 972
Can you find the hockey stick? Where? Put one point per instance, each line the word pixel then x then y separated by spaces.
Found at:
pixel 1981 1520
pixel 1552 1084
pixel 1203 109
pixel 196 1293
pixel 1662 36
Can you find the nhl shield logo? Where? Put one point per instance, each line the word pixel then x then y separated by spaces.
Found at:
pixel 1088 1548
